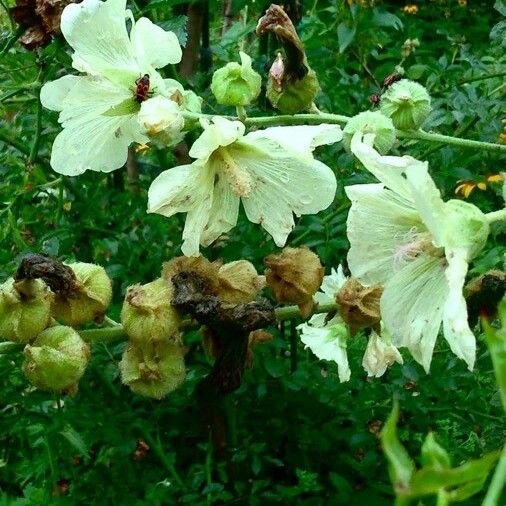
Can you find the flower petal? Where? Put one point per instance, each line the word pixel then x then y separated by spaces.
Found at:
pixel 97 32
pixel 54 93
pixel 184 189
pixel 282 183
pixel 388 169
pixel 223 213
pixel 154 45
pixel 412 306
pixel 333 283
pixel 219 132
pixel 455 326
pixel 328 343
pixel 379 223
pixel 428 201
pixel 379 355
pixel 303 139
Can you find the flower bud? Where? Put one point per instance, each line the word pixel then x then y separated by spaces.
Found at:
pixel 235 84
pixel 292 96
pixel 468 227
pixel 25 309
pixel 371 122
pixel 147 314
pixel 56 360
pixel 153 370
pixel 160 114
pixel 409 46
pixel 359 306
pixel 88 300
pixel 294 276
pixel 239 282
pixel 407 103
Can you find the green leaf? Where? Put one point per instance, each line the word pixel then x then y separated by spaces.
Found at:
pixel 345 35
pixel 400 465
pixel 387 20
pixel 75 439
pixel 433 454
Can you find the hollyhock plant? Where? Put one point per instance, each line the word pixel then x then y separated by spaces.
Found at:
pixel 380 353
pixel 405 237
pixel 272 171
pixel 108 108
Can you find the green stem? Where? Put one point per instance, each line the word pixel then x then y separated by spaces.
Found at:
pixel 34 151
pixel 481 78
pixel 496 216
pixel 301 119
pixel 497 483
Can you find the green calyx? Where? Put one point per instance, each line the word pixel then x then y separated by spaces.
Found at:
pixel 370 122
pixel 56 360
pixel 236 84
pixel 407 103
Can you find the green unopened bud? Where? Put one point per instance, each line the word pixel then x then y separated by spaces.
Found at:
pixel 25 309
pixel 56 360
pixel 407 103
pixel 371 122
pixel 235 84
pixel 154 370
pixel 148 315
pixel 468 227
pixel 291 96
pixel 88 301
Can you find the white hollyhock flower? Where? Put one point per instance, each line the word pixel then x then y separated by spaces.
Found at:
pixel 327 338
pixel 99 111
pixel 272 171
pixel 405 237
pixel 379 354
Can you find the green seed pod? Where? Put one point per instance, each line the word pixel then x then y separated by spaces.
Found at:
pixel 371 122
pixel 236 85
pixel 407 103
pixel 293 96
pixel 25 309
pixel 148 315
pixel 89 300
pixel 56 360
pixel 153 370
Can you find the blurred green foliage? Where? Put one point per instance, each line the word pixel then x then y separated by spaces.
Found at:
pixel 295 434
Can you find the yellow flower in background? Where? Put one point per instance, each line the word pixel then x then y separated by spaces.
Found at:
pixel 465 188
pixel 463 3
pixel 410 9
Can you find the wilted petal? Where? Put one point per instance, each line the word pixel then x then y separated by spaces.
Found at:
pixel 379 355
pixel 455 325
pixel 412 306
pixel 328 343
pixel 154 45
pixel 333 283
pixel 379 224
pixel 97 32
pixel 303 139
pixel 282 183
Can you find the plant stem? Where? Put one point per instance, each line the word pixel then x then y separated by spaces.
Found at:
pixel 301 119
pixel 496 216
pixel 108 335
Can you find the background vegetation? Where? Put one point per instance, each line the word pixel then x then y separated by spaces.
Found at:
pixel 295 435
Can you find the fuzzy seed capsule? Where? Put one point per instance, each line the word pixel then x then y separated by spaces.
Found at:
pixel 147 314
pixel 407 103
pixel 56 360
pixel 25 309
pixel 89 300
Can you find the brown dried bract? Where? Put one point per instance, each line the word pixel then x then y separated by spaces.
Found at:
pixel 59 277
pixel 294 276
pixel 239 282
pixel 41 18
pixel 276 20
pixel 359 305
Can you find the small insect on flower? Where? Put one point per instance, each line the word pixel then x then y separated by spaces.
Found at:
pixel 374 99
pixel 142 88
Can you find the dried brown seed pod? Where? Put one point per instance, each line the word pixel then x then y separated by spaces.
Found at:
pixel 239 282
pixel 294 276
pixel 359 305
